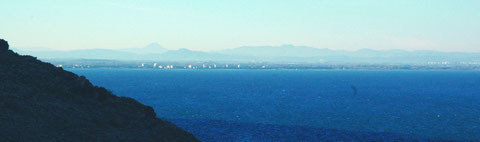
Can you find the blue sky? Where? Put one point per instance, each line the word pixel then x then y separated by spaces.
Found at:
pixel 444 25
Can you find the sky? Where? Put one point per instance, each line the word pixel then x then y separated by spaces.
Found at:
pixel 209 25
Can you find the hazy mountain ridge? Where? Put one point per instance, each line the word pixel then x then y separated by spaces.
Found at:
pixel 278 54
pixel 153 48
pixel 276 51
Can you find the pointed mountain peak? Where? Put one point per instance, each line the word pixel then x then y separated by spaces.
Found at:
pixel 152 48
pixel 154 45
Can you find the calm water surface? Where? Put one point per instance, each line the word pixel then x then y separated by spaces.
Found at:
pixel 428 104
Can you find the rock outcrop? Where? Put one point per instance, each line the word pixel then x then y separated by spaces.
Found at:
pixel 40 102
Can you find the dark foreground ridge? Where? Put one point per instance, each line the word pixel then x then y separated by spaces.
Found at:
pixel 40 102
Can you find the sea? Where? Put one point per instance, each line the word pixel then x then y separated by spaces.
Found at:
pixel 306 105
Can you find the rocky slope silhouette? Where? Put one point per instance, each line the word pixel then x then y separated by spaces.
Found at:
pixel 40 102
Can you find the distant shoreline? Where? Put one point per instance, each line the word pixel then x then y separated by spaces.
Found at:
pixel 212 65
pixel 149 69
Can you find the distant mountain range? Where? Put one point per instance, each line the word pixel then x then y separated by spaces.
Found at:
pixel 273 54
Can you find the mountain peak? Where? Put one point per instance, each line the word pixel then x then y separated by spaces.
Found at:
pixel 152 48
pixel 153 45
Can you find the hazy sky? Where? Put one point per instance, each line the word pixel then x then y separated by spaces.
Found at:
pixel 445 25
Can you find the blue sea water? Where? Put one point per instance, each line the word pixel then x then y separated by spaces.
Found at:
pixel 306 105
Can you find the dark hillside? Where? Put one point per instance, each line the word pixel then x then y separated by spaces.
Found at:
pixel 40 102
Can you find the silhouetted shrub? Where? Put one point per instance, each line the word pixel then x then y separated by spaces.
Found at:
pixel 3 45
pixel 149 112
